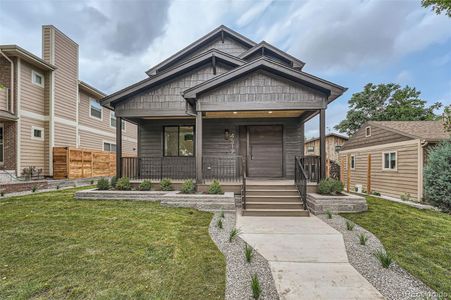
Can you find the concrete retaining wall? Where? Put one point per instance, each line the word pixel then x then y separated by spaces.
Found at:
pixel 319 204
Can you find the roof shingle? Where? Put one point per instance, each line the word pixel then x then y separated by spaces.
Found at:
pixel 426 130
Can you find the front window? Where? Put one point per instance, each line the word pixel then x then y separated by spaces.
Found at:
pixel 389 161
pixel 109 147
pixel 178 140
pixel 95 109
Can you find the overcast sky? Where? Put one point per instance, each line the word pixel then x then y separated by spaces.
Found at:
pixel 348 42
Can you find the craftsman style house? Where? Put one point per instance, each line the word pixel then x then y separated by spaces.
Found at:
pixel 224 107
pixel 43 105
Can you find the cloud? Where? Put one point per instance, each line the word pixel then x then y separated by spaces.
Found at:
pixel 404 78
pixel 254 11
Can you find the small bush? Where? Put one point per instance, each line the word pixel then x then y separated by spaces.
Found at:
pixel 329 214
pixel 188 187
pixel 166 184
pixel 233 234
pixel 437 176
pixel 405 196
pixel 215 188
pixel 34 188
pixel 363 239
pixel 123 184
pixel 219 224
pixel 113 181
pixel 248 253
pixel 103 184
pixel 2 193
pixel 349 225
pixel 384 258
pixel 376 193
pixel 145 185
pixel 221 214
pixel 256 287
pixel 92 181
pixel 57 186
pixel 330 186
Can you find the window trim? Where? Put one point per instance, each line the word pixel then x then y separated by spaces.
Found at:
pixel 33 128
pixel 366 131
pixel 90 110
pixel 122 120
pixel 2 159
pixel 396 161
pixel 33 73
pixel 178 137
pixel 351 158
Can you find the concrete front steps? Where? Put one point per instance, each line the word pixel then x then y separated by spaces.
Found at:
pixel 273 200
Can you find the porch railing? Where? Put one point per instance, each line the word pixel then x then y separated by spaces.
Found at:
pixel 300 179
pixel 224 168
pixel 243 181
pixel 311 166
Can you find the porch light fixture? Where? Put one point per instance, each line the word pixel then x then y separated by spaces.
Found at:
pixel 226 134
pixel 235 112
pixel 270 112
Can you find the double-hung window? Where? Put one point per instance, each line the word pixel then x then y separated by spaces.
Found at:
pixel 110 147
pixel 389 160
pixel 178 140
pixel 95 109
pixel 113 121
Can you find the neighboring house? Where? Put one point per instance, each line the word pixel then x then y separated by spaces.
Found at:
pixel 222 100
pixel 334 142
pixel 389 156
pixel 43 104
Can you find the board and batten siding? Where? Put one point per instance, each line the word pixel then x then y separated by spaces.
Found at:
pixel 261 87
pixel 167 96
pixel 404 180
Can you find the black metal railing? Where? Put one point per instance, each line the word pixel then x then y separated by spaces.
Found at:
pixel 224 168
pixel 300 179
pixel 243 183
pixel 311 165
pixel 157 168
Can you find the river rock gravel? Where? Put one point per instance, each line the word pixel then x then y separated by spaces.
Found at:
pixel 239 272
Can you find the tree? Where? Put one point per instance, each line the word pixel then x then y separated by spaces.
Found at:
pixel 385 102
pixel 438 6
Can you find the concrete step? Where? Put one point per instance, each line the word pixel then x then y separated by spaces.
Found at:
pixel 274 205
pixel 276 212
pixel 270 186
pixel 273 198
pixel 264 192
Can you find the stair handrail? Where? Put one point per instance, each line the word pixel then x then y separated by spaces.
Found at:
pixel 243 181
pixel 300 179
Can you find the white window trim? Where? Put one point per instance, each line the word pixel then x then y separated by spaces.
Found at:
pixel 101 110
pixel 366 131
pixel 33 73
pixel 383 161
pixel 352 156
pixel 33 128
pixel 111 115
pixel 108 142
pixel 3 145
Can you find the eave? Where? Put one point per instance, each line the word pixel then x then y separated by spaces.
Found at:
pixel 14 50
pixel 90 90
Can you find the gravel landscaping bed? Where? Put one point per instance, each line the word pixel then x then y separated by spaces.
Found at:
pixel 392 283
pixel 239 272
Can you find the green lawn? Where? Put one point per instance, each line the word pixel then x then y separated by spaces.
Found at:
pixel 52 246
pixel 418 240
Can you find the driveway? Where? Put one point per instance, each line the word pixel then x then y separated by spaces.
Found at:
pixel 307 257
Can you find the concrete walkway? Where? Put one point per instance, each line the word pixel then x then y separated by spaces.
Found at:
pixel 307 257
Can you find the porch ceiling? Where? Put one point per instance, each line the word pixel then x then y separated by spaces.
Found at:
pixel 253 114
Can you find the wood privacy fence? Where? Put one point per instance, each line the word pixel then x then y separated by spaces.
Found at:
pixel 72 163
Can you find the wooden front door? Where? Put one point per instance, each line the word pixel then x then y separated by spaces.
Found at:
pixel 265 151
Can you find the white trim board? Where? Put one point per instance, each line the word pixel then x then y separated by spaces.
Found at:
pixel 34 116
pixel 378 147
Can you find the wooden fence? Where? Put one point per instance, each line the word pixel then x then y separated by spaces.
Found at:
pixel 72 163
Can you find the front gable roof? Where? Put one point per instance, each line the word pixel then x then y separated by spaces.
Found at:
pixel 266 48
pixel 263 63
pixel 220 31
pixel 204 57
pixel 426 130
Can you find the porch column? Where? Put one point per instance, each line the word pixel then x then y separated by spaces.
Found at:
pixel 302 137
pixel 118 147
pixel 198 149
pixel 322 143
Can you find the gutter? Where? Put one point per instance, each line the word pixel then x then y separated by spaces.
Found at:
pixel 11 94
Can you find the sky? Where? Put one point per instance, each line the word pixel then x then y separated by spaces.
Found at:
pixel 350 42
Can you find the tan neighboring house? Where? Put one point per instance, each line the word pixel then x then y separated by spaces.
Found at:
pixel 43 104
pixel 334 142
pixel 389 156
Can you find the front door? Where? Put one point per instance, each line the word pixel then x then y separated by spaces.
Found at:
pixel 265 151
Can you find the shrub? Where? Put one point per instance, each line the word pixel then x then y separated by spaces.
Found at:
pixel 57 186
pixel 363 239
pixel 2 193
pixel 188 187
pixel 248 253
pixel 113 181
pixel 92 181
pixel 219 224
pixel 215 188
pixel 123 184
pixel 166 184
pixel 103 184
pixel 233 234
pixel 145 185
pixel 384 258
pixel 256 288
pixel 221 214
pixel 349 225
pixel 330 186
pixel 34 188
pixel 329 214
pixel 405 196
pixel 376 193
pixel 437 176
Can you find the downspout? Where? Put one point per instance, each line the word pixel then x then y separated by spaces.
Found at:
pixel 11 84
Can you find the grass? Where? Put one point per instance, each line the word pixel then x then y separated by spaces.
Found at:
pixel 233 234
pixel 349 225
pixel 56 247
pixel 418 240
pixel 384 258
pixel 363 238
pixel 248 253
pixel 256 287
pixel 329 214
